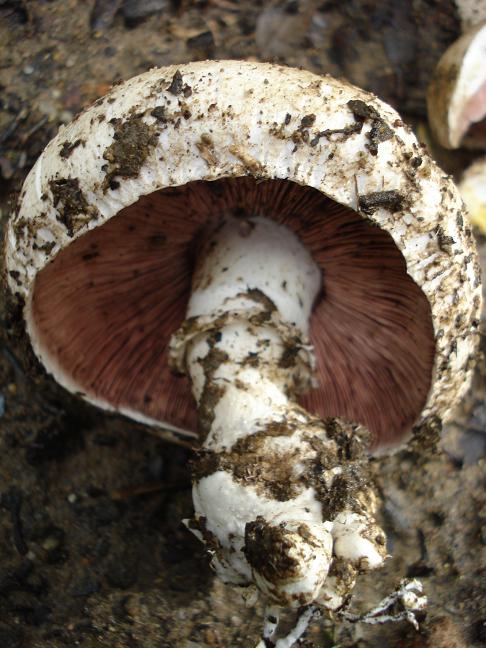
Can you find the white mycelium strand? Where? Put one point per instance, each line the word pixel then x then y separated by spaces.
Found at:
pixel 305 617
pixel 280 499
pixel 402 604
pixel 272 614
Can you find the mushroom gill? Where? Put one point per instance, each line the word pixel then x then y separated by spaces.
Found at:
pixel 104 309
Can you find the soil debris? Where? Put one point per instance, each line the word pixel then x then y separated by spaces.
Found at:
pixel 391 200
pixel 74 210
pixel 133 142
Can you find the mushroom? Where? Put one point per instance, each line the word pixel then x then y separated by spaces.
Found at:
pixel 277 243
pixel 473 191
pixel 456 99
pixel 470 12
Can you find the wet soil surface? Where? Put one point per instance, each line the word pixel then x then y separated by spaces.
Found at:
pixel 92 549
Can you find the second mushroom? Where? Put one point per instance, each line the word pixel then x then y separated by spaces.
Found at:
pixel 278 244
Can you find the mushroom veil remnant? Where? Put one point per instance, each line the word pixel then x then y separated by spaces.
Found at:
pixel 265 260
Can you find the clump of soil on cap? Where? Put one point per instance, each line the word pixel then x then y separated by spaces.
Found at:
pixel 73 208
pixel 133 141
pixel 92 551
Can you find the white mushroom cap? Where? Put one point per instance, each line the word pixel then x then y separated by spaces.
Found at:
pixel 332 143
pixel 456 98
pixel 471 12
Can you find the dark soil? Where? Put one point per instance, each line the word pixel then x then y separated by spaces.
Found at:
pixel 92 549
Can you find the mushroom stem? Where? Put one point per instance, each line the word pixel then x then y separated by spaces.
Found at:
pixel 281 498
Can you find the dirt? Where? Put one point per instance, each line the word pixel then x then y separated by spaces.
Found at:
pixel 92 548
pixel 133 141
pixel 70 202
pixel 392 200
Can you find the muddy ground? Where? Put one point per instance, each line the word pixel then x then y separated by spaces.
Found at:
pixel 92 550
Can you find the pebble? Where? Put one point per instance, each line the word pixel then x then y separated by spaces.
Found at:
pixel 281 29
pixel 53 544
pixel 47 107
pixel 203 41
pixel 211 637
pixel 66 116
pixel 135 9
pixel 50 543
pixel 478 418
pixel 103 14
pixel 6 168
pixel 22 161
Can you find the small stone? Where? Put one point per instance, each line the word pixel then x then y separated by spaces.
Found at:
pixel 136 9
pixel 50 543
pixel 203 41
pixel 103 14
pixel 66 116
pixel 47 107
pixel 210 637
pixel 6 168
pixel 53 545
